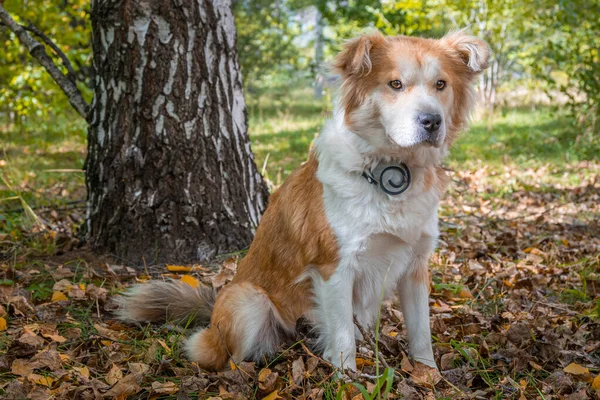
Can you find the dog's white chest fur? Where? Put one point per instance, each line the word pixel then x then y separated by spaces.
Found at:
pixel 381 238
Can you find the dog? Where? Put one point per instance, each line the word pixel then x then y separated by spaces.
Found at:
pixel 358 220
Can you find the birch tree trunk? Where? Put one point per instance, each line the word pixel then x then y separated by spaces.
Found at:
pixel 170 174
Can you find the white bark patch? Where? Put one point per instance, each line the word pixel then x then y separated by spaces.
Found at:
pixel 189 127
pixel 110 36
pixel 226 21
pixel 138 29
pixel 164 29
pixel 103 101
pixel 202 95
pixel 139 76
pixel 172 70
pixel 160 100
pixel 160 122
pixel 209 55
pixel 202 11
pixel 189 59
pixel 223 76
pixel 171 111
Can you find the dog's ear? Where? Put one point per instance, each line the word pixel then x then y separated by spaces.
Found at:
pixel 473 51
pixel 355 58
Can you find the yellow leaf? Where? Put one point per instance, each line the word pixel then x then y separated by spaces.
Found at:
pixel 44 380
pixel 82 286
pixel 596 383
pixel 58 296
pixel 84 371
pixel 576 369
pixel 178 268
pixel 272 396
pixel 232 365
pixel 190 280
pixel 3 324
pixel 362 362
pixel 64 357
pixel 393 334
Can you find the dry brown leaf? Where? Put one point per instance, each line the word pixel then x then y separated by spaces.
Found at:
pixel 49 359
pixel 114 375
pixel 423 375
pixel 164 387
pixel 30 338
pixel 63 285
pixel 23 367
pixel 127 386
pixel 298 371
pixel 447 361
pixel 136 368
pixel 224 276
pixel 267 380
pixel 405 364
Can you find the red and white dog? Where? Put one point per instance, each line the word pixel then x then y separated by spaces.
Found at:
pixel 358 218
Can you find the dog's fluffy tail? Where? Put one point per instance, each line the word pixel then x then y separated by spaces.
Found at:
pixel 167 301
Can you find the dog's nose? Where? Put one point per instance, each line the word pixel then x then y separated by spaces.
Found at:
pixel 430 122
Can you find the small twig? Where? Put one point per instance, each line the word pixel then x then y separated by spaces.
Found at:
pixel 367 337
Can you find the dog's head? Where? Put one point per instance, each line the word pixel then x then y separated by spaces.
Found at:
pixel 403 91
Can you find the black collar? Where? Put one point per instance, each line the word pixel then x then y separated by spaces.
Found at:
pixel 392 179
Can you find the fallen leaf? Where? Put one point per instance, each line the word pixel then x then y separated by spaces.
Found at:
pixel 49 359
pixel 596 383
pixel 164 387
pixel 423 375
pixel 3 324
pixel 42 380
pixel 127 386
pixel 576 369
pixel 22 367
pixel 190 280
pixel 136 368
pixel 298 371
pixel 222 277
pixel 114 375
pixel 405 364
pixel 447 361
pixel 361 362
pixel 58 296
pixel 272 396
pixel 178 268
pixel 83 371
pixel 267 380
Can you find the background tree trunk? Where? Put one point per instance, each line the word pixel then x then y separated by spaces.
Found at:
pixel 170 174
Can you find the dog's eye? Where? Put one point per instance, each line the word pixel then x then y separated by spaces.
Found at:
pixel 440 85
pixel 395 84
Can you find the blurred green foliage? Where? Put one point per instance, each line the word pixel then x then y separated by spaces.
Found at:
pixel 26 89
pixel 550 46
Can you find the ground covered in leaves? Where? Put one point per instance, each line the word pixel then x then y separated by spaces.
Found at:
pixel 515 300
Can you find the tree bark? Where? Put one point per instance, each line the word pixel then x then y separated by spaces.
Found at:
pixel 170 174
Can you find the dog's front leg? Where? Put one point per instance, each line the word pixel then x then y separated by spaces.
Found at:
pixel 335 315
pixel 413 290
